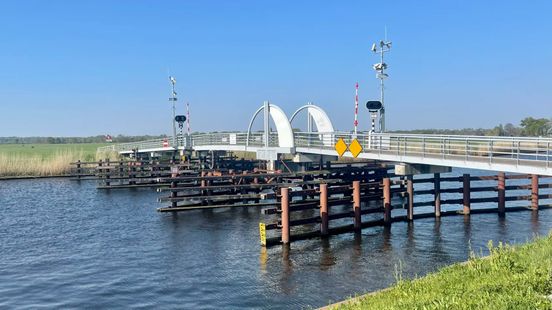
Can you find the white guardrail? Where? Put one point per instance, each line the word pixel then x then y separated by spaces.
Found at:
pixel 444 146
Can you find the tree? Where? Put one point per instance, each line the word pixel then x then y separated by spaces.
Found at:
pixel 535 126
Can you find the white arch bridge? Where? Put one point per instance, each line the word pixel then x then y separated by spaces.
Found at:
pixel 507 154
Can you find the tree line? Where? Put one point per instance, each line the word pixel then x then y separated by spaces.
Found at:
pixel 528 127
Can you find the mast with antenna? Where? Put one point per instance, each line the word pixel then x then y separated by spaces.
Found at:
pixel 173 98
pixel 384 46
pixel 355 123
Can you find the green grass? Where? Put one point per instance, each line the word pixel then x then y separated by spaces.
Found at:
pixel 48 151
pixel 509 278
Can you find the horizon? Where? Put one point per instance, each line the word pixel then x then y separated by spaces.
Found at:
pixel 87 69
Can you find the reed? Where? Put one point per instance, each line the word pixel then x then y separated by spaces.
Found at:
pixel 37 165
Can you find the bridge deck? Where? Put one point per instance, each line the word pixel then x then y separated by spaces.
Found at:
pixel 508 154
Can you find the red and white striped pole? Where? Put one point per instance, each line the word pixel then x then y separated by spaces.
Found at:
pixel 188 117
pixel 356 109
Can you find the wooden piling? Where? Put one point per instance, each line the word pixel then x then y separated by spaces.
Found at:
pixel 108 174
pixel 501 193
pixel 387 201
pixel 437 193
pixel 356 206
pixel 410 191
pixel 79 169
pixel 466 193
pixel 173 194
pixel 324 216
pixel 285 214
pixel 535 192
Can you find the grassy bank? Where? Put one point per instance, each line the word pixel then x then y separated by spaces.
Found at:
pixel 43 159
pixel 509 278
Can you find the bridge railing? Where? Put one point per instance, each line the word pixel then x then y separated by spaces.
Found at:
pixel 233 138
pixel 442 146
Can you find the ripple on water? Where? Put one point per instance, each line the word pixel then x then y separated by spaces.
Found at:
pixel 65 244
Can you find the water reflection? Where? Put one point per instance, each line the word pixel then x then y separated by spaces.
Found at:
pixel 327 257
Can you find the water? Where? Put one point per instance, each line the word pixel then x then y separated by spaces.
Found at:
pixel 64 244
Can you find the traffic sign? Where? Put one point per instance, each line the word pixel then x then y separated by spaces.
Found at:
pixel 355 148
pixel 341 147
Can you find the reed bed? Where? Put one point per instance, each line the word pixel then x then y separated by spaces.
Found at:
pixel 55 164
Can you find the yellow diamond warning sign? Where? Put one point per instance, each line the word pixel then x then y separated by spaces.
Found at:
pixel 341 147
pixel 355 148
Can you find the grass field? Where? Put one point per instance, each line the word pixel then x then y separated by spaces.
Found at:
pixel 43 159
pixel 47 151
pixel 509 278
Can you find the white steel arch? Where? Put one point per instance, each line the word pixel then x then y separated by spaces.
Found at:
pixel 283 126
pixel 321 120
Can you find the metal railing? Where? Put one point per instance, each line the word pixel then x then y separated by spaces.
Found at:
pixel 432 146
pixel 438 146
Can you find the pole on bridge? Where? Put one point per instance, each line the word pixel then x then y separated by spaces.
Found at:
pixel 437 193
pixel 410 191
pixel 466 193
pixel 535 192
pixel 284 204
pixel 324 209
pixel 356 206
pixel 387 201
pixel 501 194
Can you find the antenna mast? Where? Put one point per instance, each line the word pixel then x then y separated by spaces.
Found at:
pixel 384 46
pixel 173 98
pixel 355 123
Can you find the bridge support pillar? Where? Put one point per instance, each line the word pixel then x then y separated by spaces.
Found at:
pixel 437 193
pixel 284 204
pixel 466 193
pixel 387 201
pixel 501 194
pixel 356 206
pixel 410 191
pixel 324 209
pixel 535 192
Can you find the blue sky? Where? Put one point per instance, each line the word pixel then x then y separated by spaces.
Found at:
pixel 73 68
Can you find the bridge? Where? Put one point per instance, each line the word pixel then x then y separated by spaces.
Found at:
pixel 507 154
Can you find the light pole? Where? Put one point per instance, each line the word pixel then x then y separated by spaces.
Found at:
pixel 384 46
pixel 173 99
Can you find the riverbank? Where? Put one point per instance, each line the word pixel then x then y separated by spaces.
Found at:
pixel 509 278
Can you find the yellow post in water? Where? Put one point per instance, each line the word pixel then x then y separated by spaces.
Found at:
pixel 262 233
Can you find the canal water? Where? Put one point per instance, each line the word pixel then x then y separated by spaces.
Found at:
pixel 65 244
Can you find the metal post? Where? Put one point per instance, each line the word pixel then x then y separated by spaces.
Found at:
pixel 535 192
pixel 501 193
pixel 285 215
pixel 466 193
pixel 356 206
pixel 410 191
pixel 387 201
pixel 324 223
pixel 266 123
pixel 437 193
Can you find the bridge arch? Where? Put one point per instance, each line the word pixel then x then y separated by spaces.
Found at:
pixel 283 126
pixel 321 119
